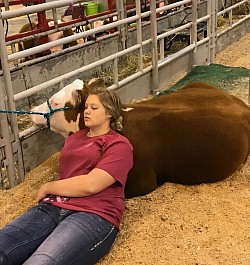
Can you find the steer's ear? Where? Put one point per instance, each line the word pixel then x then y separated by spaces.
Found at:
pixel 95 83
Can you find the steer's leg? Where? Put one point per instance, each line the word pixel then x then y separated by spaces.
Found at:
pixel 141 180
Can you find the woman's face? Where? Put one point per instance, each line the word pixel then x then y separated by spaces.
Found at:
pixel 95 115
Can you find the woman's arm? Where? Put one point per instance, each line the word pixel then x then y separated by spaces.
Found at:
pixel 78 186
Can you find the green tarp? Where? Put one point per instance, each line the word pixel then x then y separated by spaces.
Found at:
pixel 221 76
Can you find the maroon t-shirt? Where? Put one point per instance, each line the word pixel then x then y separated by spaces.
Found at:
pixel 110 152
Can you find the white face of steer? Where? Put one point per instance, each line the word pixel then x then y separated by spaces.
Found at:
pixel 64 121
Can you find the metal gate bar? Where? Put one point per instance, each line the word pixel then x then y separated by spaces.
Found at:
pixel 10 137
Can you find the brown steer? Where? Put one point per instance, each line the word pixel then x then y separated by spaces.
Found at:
pixel 197 134
pixel 27 44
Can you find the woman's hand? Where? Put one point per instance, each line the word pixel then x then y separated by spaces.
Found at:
pixel 42 192
pixel 79 186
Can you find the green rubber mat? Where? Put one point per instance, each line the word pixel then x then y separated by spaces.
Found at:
pixel 221 76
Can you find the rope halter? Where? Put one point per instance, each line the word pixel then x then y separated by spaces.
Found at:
pixel 46 115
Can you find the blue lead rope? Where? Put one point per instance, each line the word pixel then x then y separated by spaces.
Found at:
pixel 46 115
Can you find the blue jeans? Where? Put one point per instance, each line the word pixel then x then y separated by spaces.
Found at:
pixel 47 235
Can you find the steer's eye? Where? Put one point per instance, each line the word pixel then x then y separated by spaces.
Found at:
pixel 54 102
pixel 78 99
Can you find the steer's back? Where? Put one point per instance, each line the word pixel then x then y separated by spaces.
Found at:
pixel 197 96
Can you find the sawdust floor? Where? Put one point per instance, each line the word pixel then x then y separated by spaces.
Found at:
pixel 174 225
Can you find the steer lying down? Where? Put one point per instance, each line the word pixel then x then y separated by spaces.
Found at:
pixel 195 135
pixel 27 44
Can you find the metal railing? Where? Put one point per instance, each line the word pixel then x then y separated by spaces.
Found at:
pixel 11 150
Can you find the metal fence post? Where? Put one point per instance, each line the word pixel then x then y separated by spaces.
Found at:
pixel 9 126
pixel 214 10
pixel 193 33
pixel 153 24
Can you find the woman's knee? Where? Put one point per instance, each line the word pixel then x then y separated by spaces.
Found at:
pixel 101 249
pixel 3 259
